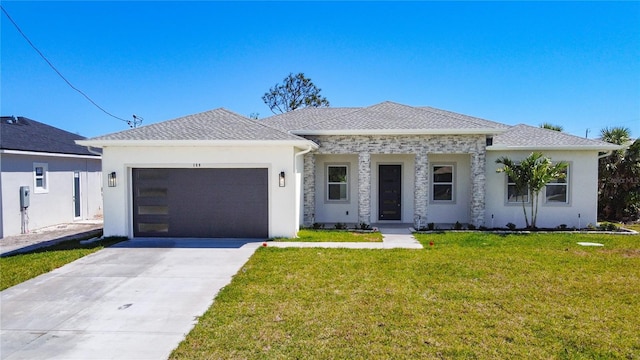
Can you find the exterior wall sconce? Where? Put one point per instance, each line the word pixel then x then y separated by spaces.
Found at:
pixel 281 179
pixel 112 180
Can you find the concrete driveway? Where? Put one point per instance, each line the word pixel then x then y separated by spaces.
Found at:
pixel 136 300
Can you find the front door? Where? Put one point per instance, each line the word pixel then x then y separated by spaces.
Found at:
pixel 76 194
pixel 389 192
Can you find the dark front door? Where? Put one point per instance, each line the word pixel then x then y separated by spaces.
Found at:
pixel 389 192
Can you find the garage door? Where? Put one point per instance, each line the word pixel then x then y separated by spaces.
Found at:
pixel 201 203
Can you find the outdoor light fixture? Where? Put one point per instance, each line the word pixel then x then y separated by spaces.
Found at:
pixel 281 179
pixel 111 177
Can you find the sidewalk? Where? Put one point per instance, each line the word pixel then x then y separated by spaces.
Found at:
pixel 49 236
pixel 392 238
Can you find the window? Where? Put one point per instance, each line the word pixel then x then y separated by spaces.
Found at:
pixel 443 183
pixel 40 181
pixel 337 184
pixel 557 190
pixel 515 196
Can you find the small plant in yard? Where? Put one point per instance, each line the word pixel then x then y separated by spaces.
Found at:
pixel 457 226
pixel 511 226
pixel 317 226
pixel 471 227
pixel 431 226
pixel 562 227
pixel 340 226
pixel 363 226
pixel 608 227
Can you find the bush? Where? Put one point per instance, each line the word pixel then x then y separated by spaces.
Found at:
pixel 562 227
pixel 363 226
pixel 431 226
pixel 457 226
pixel 608 227
pixel 471 227
pixel 318 226
pixel 340 226
pixel 511 226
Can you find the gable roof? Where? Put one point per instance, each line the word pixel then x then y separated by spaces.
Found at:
pixel 214 125
pixel 23 134
pixel 525 137
pixel 384 118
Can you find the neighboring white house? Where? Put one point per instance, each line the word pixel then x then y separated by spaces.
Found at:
pixel 63 179
pixel 219 174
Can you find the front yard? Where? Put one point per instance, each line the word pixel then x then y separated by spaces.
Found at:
pixel 469 295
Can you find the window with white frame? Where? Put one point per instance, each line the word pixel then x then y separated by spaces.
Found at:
pixel 515 196
pixel 337 183
pixel 443 183
pixel 557 190
pixel 40 174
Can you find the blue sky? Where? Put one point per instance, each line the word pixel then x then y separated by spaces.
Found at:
pixel 575 64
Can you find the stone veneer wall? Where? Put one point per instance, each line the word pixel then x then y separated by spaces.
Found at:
pixel 420 145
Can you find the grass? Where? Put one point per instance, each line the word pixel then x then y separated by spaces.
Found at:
pixel 308 235
pixel 470 295
pixel 22 267
pixel 635 226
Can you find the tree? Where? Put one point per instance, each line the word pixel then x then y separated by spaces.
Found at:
pixel 618 180
pixel 532 175
pixel 295 92
pixel 550 126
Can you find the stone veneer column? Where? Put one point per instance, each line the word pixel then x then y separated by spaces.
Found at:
pixel 478 181
pixel 421 188
pixel 309 191
pixel 364 188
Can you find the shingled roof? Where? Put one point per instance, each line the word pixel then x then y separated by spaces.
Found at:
pixel 218 124
pixel 23 134
pixel 386 117
pixel 527 137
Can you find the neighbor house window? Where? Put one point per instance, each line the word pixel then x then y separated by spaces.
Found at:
pixel 337 183
pixel 515 196
pixel 40 174
pixel 557 190
pixel 443 182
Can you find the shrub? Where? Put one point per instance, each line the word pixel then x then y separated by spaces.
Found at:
pixel 317 226
pixel 511 226
pixel 363 226
pixel 483 228
pixel 457 226
pixel 608 227
pixel 471 227
pixel 562 227
pixel 340 226
pixel 431 226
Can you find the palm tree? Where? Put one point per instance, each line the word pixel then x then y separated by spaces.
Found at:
pixel 616 135
pixel 550 126
pixel 532 174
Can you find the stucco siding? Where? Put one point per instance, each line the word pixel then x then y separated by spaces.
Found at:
pixel 582 192
pixel 283 203
pixel 56 204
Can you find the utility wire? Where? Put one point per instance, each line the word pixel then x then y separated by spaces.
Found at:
pixel 129 122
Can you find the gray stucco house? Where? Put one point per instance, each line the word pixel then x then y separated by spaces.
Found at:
pixel 386 163
pixel 64 179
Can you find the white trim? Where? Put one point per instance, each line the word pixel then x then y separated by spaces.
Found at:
pixel 478 131
pixel 452 183
pixel 554 147
pixel 36 153
pixel 346 183
pixel 217 143
pixel 44 177
pixel 566 184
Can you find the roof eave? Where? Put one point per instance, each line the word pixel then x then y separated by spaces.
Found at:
pixel 214 143
pixel 479 131
pixel 554 147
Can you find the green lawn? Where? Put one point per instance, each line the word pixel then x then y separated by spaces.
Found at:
pixel 307 235
pixel 18 268
pixel 470 295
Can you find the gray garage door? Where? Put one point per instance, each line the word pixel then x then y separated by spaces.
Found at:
pixel 204 203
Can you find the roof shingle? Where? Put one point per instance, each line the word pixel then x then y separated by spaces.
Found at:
pixel 218 124
pixel 530 137
pixel 23 134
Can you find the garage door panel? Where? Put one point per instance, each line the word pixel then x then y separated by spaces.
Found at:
pixel 201 202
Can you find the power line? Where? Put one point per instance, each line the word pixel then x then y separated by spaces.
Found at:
pixel 136 119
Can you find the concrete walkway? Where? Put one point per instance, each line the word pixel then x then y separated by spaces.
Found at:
pixel 48 236
pixel 393 237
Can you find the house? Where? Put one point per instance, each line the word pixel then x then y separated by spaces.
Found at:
pixel 219 174
pixel 60 179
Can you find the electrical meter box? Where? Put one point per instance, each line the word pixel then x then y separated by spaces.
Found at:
pixel 25 194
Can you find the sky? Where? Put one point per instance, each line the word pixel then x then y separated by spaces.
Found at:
pixel 573 64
